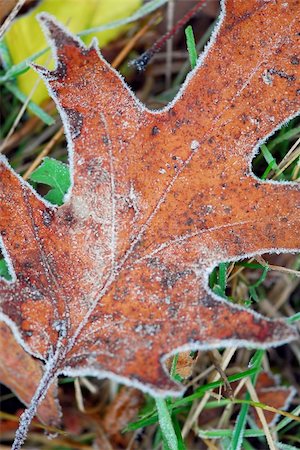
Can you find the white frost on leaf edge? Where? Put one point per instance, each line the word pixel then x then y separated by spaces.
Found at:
pixel 154 391
pixel 94 45
pixel 17 335
pixel 142 107
pixel 139 104
pixel 278 387
pixel 28 186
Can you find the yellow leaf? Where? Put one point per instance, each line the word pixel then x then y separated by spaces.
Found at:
pixel 25 37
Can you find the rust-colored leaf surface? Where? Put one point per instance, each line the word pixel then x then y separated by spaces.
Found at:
pixel 184 364
pixel 22 373
pixel 122 410
pixel 271 393
pixel 115 279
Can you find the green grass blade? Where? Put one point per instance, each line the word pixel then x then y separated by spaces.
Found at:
pixel 217 403
pixel 224 443
pixel 268 170
pixel 174 365
pixel 239 429
pixel 261 279
pixel 191 46
pixel 294 318
pixel 223 277
pixel 250 265
pixel 214 385
pixel 270 160
pixel 284 422
pixel 66 380
pixel 21 67
pixel 268 155
pixel 284 137
pixel 5 55
pixel 282 446
pixel 146 9
pixel 181 444
pixel 33 107
pixel 166 424
pixel 218 281
pixel 10 118
pixel 186 66
pixel 247 445
pixel 173 374
pixel 152 418
pixel 220 434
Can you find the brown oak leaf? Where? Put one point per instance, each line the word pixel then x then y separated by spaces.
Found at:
pixel 122 410
pixel 115 280
pixel 184 364
pixel 272 393
pixel 22 373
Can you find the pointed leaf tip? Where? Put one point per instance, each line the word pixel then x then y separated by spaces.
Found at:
pixel 42 71
pixel 56 32
pixel 128 287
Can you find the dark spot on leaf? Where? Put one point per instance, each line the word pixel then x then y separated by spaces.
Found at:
pixel 60 72
pixel 170 278
pixel 47 217
pixel 282 74
pixel 244 118
pixel 75 122
pixel 68 217
pixel 23 278
pixel 28 333
pixel 172 310
pixel 295 60
pixel 36 294
pixel 155 131
pixel 94 317
pixel 189 221
pixel 171 112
